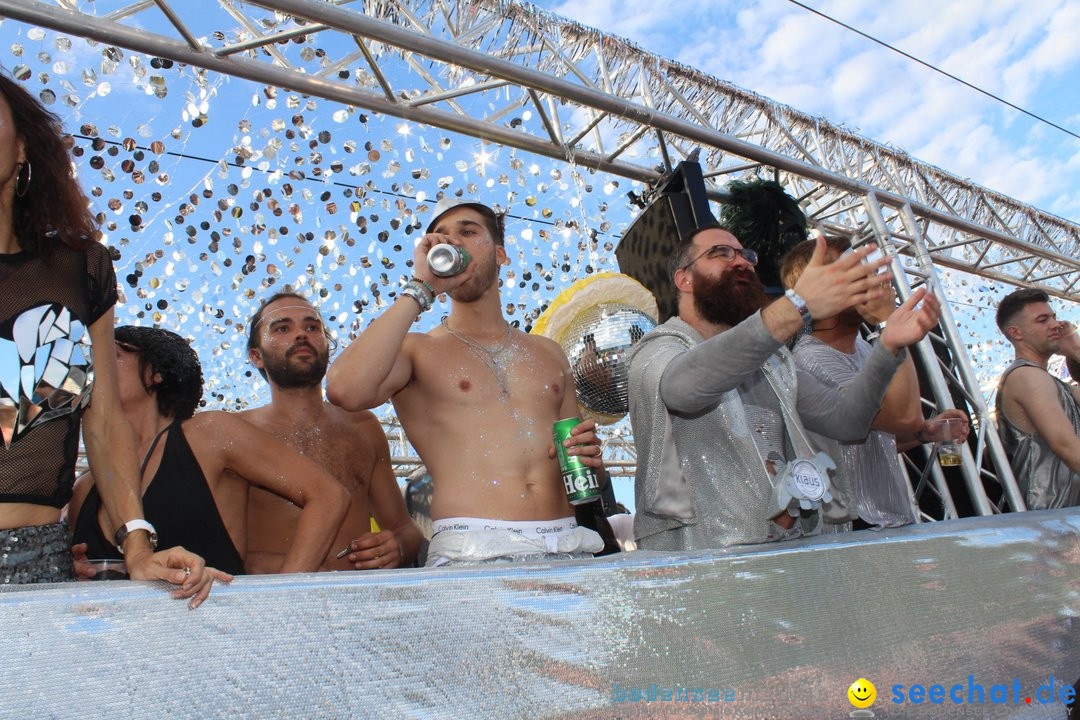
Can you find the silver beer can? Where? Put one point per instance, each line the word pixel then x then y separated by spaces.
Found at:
pixel 445 259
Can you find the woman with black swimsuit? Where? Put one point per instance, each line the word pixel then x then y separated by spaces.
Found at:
pixel 196 469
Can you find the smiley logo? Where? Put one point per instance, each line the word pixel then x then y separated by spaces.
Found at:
pixel 862 693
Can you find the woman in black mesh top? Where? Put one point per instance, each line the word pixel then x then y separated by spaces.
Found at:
pixel 57 291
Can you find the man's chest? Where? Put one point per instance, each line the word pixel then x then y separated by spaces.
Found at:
pixel 462 375
pixel 337 449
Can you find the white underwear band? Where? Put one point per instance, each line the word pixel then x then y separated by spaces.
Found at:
pixel 479 539
pixel 528 528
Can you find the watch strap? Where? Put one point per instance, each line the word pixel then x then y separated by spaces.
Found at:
pixel 131 526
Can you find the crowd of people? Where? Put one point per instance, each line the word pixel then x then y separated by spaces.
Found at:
pixel 756 419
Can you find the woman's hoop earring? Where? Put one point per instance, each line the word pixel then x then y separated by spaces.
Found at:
pixel 21 185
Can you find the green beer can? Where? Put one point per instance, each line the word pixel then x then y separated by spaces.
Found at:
pixel 578 478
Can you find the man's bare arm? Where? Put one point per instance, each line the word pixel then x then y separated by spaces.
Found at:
pixel 583 440
pixel 1070 348
pixel 376 364
pixel 1036 393
pixel 900 413
pixel 261 460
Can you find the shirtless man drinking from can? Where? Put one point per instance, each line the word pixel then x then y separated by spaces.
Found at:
pixel 477 399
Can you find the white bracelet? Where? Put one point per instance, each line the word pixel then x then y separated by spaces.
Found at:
pixel 799 304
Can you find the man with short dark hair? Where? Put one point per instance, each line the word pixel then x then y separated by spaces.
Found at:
pixel 1038 414
pixel 477 399
pixel 289 345
pixel 715 399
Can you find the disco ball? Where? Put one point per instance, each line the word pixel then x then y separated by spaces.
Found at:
pixel 598 344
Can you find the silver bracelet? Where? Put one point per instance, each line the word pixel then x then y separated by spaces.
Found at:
pixel 419 293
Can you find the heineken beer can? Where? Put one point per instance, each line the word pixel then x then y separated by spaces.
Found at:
pixel 578 478
pixel 445 259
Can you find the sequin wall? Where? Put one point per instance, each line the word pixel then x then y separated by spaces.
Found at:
pixel 215 192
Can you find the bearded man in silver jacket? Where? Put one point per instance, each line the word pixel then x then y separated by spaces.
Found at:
pixel 716 400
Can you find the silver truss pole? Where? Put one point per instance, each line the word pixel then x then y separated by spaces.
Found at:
pixel 966 376
pixel 925 349
pixel 908 178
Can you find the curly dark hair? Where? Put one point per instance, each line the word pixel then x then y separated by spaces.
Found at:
pixel 167 354
pixel 54 206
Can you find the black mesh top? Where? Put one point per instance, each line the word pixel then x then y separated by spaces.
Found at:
pixel 47 304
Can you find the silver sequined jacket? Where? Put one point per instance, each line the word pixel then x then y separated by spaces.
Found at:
pixel 701 481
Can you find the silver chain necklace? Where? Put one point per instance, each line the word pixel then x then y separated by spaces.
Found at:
pixel 493 357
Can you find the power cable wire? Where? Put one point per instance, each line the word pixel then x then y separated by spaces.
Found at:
pixel 357 189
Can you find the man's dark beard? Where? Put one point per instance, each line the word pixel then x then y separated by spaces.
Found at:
pixel 730 298
pixel 478 284
pixel 288 376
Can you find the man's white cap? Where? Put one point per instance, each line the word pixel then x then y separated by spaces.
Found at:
pixel 448 203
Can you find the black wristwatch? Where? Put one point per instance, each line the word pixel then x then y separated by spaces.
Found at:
pixel 130 527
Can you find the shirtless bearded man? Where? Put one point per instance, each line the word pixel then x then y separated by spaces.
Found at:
pixel 477 399
pixel 288 344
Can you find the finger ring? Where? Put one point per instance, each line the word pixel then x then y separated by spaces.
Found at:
pixel 187 571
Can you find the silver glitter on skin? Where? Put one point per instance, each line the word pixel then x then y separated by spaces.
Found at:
pixel 497 358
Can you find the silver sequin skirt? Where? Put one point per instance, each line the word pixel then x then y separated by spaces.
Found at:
pixel 36 554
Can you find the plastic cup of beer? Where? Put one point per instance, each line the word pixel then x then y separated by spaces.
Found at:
pixel 108 569
pixel 948 449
